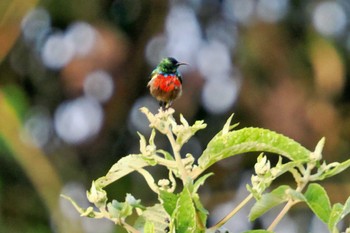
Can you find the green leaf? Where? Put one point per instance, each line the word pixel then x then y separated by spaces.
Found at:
pixel 169 201
pixel 338 212
pixel 318 201
pixel 97 195
pixel 122 168
pixel 201 212
pixel 200 181
pixel 149 227
pixel 268 201
pixel 154 216
pixel 346 209
pixel 250 140
pixel 184 131
pixel 335 217
pixel 185 214
pixel 335 170
pixel 16 97
pixel 166 154
pixel 119 209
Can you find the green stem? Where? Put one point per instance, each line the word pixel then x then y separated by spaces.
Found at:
pixel 176 150
pixel 231 214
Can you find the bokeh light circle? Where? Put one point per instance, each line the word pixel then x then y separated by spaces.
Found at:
pixel 37 128
pixel 272 10
pixel 78 120
pixel 239 10
pixel 34 23
pixel 99 85
pixel 222 31
pixel 183 33
pixel 155 49
pixel 213 59
pixel 329 18
pixel 83 36
pixel 57 51
pixel 219 95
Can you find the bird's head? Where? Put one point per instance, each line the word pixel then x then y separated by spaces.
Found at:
pixel 169 65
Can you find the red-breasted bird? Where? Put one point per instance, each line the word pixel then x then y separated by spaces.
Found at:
pixel 166 82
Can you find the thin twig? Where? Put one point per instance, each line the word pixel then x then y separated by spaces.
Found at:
pixel 231 214
pixel 279 217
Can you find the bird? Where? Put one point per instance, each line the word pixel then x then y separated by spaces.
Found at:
pixel 166 82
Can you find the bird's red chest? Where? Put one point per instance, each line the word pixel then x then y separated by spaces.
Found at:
pixel 166 83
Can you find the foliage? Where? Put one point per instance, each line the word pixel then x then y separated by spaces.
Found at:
pixel 182 211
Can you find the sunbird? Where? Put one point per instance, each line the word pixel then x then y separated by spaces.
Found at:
pixel 166 82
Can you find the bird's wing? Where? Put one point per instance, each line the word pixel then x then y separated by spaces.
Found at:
pixel 153 74
pixel 179 76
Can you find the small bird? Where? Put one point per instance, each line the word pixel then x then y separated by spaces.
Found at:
pixel 166 82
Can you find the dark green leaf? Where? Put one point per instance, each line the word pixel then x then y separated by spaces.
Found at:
pixel 169 201
pixel 201 212
pixel 317 199
pixel 185 214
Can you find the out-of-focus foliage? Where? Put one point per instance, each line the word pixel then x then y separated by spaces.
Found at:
pixel 82 68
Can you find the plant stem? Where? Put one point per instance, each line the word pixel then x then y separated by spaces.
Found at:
pixel 176 150
pixel 279 217
pixel 231 214
pixel 290 203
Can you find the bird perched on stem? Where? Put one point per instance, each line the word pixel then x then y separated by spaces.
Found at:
pixel 166 82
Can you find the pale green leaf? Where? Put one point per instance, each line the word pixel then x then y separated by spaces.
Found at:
pixel 268 201
pixel 119 209
pixel 335 217
pixel 318 201
pixel 89 212
pixel 249 140
pixel 200 181
pixel 97 195
pixel 338 212
pixel 122 168
pixel 335 170
pixel 149 227
pixel 346 209
pixel 154 216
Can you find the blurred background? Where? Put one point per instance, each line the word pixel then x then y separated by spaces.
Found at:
pixel 73 76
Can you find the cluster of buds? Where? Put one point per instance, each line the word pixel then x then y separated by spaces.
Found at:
pixel 263 178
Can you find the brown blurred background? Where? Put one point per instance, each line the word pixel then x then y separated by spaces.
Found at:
pixel 73 75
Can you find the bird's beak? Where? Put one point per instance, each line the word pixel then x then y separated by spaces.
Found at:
pixel 181 63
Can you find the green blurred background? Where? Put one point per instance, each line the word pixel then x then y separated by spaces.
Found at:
pixel 73 75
